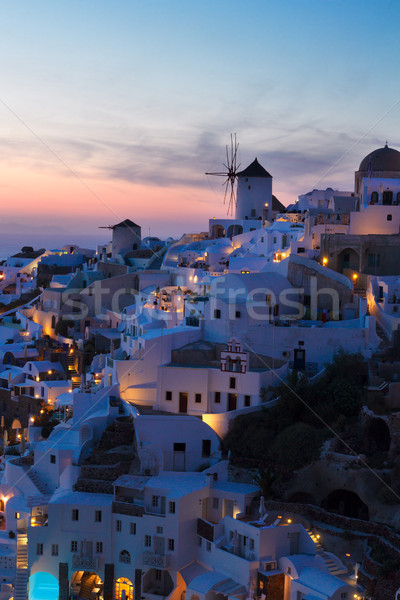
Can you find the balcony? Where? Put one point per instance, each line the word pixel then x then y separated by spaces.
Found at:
pixel 127 508
pixel 84 563
pixel 205 529
pixel 159 561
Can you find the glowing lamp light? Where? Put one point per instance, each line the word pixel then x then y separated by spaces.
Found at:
pixel 42 411
pixel 32 419
pixel 324 261
pixel 279 516
pixel 355 276
pixel 289 520
pixel 348 555
pixel 318 536
pixel 36 395
pixel 49 372
pixel 266 204
pixel 37 378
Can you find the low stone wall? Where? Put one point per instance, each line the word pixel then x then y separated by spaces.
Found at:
pixel 383 532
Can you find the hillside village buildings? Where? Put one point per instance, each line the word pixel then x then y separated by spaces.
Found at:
pixel 144 351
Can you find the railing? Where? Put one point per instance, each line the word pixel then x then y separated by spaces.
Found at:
pixel 160 561
pixel 126 508
pixel 84 563
pixel 205 529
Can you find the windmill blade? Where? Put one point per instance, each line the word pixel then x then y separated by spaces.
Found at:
pixel 221 174
pixel 231 165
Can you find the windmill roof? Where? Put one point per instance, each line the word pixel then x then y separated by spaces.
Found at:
pixel 254 170
pixel 126 223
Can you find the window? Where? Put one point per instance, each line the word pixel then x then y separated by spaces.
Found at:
pixel 237 314
pixel 158 574
pixel 206 448
pixel 215 503
pixel 54 549
pixel 251 544
pixel 39 549
pixel 171 508
pixel 53 459
pixel 217 397
pixel 374 198
pixel 159 530
pixel 217 313
pixel 97 516
pixel 75 514
pixel 343 595
pixel 124 557
pixel 99 547
pixel 197 398
pixel 171 544
pixel 118 525
pixel 208 546
pixel 199 541
pixel 74 546
pixel 247 400
pixel 154 501
pixel 389 217
pixel 132 528
pixel 168 395
pixel 232 383
pixel 147 541
pixel 374 260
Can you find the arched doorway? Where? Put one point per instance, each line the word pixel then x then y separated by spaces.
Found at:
pixel 348 259
pixel 346 503
pixel 234 230
pixel 42 586
pixel 86 584
pixel 217 231
pixel 123 589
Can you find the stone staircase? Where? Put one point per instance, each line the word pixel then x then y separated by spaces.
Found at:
pixel 331 565
pixel 21 579
pixel 41 485
pixel 87 583
pixel 72 372
pixel 114 456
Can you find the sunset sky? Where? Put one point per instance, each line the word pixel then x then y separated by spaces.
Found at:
pixel 115 109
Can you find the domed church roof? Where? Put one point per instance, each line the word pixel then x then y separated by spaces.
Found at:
pixel 382 159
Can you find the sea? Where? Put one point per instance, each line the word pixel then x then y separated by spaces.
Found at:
pixel 11 243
